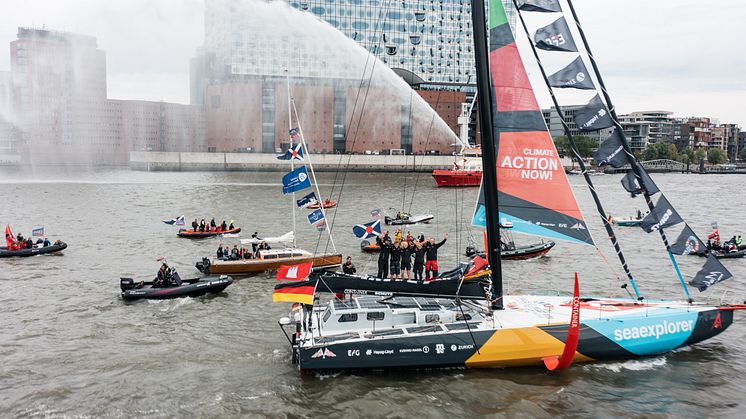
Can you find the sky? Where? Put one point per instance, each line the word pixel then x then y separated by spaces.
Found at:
pixel 685 56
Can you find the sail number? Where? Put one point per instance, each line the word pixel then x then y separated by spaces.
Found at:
pixel 555 40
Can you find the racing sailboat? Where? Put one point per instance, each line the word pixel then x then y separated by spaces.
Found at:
pixel 427 330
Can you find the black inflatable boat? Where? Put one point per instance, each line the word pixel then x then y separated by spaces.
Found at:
pixel 132 290
pixel 57 247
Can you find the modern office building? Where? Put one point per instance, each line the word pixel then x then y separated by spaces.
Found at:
pixel 60 112
pixel 648 127
pixel 556 129
pixel 249 49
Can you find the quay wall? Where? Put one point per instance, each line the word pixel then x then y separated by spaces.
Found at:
pixel 175 161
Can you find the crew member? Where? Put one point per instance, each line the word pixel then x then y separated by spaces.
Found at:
pixel 195 225
pixel 223 226
pixel 406 259
pixel 202 225
pixel 349 267
pixel 383 258
pixel 431 256
pixel 220 251
pixel 213 226
pixel 395 266
pixel 419 261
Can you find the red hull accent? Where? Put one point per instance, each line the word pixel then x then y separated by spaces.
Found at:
pixel 457 178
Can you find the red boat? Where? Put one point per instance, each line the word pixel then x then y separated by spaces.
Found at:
pixel 327 204
pixel 467 172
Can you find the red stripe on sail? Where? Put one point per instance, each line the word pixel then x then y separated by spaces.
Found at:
pixel 513 91
pixel 529 168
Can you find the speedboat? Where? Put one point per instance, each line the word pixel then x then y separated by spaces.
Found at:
pixel 57 247
pixel 197 234
pixel 196 287
pixel 404 218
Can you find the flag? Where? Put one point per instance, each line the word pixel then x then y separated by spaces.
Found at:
pixel 307 200
pixel 10 239
pixel 593 116
pixel 315 216
pixel 375 213
pixel 631 185
pixel 364 231
pixel 294 134
pixel 296 180
pixel 715 235
pixel 611 151
pixel 539 5
pixel 295 152
pixel 178 221
pixel 555 37
pixel 687 243
pixel 321 225
pixel 574 75
pixel 711 273
pixel 37 232
pixel 295 272
pixel 714 225
pixel 295 292
pixel 663 215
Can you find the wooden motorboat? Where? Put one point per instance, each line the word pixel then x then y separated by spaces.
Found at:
pixel 192 234
pixel 268 260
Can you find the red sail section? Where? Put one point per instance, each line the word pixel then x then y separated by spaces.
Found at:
pixel 513 91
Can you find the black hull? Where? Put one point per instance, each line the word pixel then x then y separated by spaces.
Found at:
pixel 720 255
pixel 519 253
pixel 55 248
pixel 191 288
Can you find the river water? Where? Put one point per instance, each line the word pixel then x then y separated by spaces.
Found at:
pixel 71 347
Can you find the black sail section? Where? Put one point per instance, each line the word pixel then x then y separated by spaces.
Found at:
pixel 555 37
pixel 540 5
pixel 593 116
pixel 662 216
pixel 573 76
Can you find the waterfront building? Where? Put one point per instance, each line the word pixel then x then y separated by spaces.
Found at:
pixel 60 112
pixel 239 73
pixel 648 127
pixel 556 129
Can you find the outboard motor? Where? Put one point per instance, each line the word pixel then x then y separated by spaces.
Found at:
pixel 471 250
pixel 175 278
pixel 126 284
pixel 203 266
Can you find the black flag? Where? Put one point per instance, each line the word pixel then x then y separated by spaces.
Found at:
pixel 593 116
pixel 712 272
pixel 575 76
pixel 662 216
pixel 555 37
pixel 539 5
pixel 630 184
pixel 688 243
pixel 611 151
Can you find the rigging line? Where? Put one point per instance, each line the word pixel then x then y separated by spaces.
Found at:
pixel 581 163
pixel 424 152
pixel 625 144
pixel 362 108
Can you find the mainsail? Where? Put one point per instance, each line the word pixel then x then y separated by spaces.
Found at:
pixel 533 189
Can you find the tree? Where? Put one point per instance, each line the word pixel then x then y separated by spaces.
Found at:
pixel 716 156
pixel 687 155
pixel 657 151
pixel 586 145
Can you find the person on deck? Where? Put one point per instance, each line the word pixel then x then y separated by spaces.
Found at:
pixel 738 241
pixel 395 266
pixel 30 243
pixel 234 252
pixel 213 226
pixel 384 242
pixel 431 256
pixel 220 252
pixel 163 279
pixel 230 227
pixel 349 267
pixel 223 226
pixel 406 259
pixel 46 242
pixel 202 225
pixel 419 261
pixel 254 246
pixel 195 225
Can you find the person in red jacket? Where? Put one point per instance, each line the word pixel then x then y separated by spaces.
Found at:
pixel 431 256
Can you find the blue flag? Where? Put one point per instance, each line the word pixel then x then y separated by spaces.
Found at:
pixel 38 232
pixel 307 200
pixel 364 231
pixel 315 217
pixel 294 153
pixel 296 180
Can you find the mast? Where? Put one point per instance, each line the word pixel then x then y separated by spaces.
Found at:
pixel 625 144
pixel 292 164
pixel 576 153
pixel 489 160
pixel 313 176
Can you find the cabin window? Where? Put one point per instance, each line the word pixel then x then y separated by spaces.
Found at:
pixel 464 317
pixel 348 318
pixel 327 315
pixel 269 256
pixel 375 316
pixel 432 318
pixel 283 255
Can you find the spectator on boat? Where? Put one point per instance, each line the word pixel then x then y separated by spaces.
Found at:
pixel 395 255
pixel 46 242
pixel 227 252
pixel 220 251
pixel 213 226
pixel 30 243
pixel 349 267
pixel 202 225
pixel 230 227
pixel 223 226
pixel 406 259
pixel 19 238
pixel 639 214
pixel 383 242
pixel 738 241
pixel 255 245
pixel 163 279
pixel 234 252
pixel 419 261
pixel 431 256
pixel 195 225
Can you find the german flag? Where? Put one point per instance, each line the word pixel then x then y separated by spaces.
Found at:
pixel 296 292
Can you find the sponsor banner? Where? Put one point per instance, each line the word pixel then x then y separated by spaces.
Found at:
pixel 296 180
pixel 611 151
pixel 687 243
pixel 573 76
pixel 711 273
pixel 593 116
pixel 662 216
pixel 555 37
pixel 631 185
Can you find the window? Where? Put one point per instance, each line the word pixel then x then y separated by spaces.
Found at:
pixel 375 316
pixel 327 314
pixel 432 318
pixel 348 318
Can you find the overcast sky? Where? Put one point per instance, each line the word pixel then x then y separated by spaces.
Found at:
pixel 686 56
